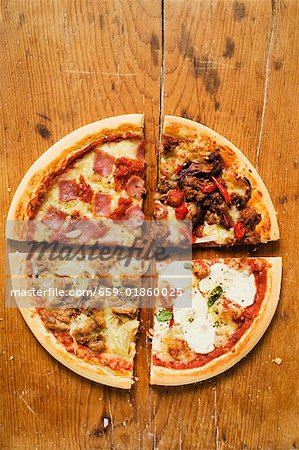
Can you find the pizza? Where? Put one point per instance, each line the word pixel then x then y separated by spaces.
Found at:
pixel 89 188
pixel 231 304
pixel 84 184
pixel 206 180
pixel 89 323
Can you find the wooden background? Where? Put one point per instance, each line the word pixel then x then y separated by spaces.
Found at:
pixel 233 65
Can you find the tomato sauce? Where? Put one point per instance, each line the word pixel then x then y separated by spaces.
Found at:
pixel 115 363
pixel 244 324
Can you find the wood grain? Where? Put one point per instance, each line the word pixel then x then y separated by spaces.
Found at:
pixel 233 66
pixel 67 63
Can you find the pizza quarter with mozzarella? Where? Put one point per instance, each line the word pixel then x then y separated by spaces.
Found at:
pixel 232 303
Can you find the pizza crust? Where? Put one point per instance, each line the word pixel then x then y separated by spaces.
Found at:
pixel 171 377
pixel 93 372
pixel 181 128
pixel 56 157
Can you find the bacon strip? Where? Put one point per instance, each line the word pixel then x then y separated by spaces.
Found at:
pixel 123 205
pixel 85 192
pixel 125 168
pixel 103 163
pixel 67 190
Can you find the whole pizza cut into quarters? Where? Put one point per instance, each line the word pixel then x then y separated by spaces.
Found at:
pixel 91 181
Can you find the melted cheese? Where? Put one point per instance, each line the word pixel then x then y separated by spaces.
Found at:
pixel 196 325
pixel 125 148
pixel 222 235
pixel 74 268
pixel 175 233
pixel 205 328
pixel 238 285
pixel 175 274
pixel 80 322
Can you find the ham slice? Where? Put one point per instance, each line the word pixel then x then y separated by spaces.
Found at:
pixel 102 204
pixel 135 187
pixel 54 218
pixel 67 190
pixel 134 217
pixel 90 230
pixel 103 163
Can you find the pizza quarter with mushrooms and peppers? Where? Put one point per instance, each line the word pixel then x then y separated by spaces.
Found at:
pixel 207 180
pixel 92 180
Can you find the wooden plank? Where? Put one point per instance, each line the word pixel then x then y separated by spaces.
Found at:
pixel 263 392
pixel 226 64
pixel 230 64
pixel 67 63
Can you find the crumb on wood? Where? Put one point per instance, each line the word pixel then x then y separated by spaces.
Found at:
pixel 277 361
pixel 9 189
pixel 11 358
pixel 136 378
pixel 105 422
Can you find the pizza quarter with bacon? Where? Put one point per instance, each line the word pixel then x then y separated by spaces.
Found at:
pixel 90 178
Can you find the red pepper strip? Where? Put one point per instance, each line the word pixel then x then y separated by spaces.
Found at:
pixel 198 231
pixel 208 188
pixel 178 169
pixel 181 212
pixel 222 190
pixel 239 230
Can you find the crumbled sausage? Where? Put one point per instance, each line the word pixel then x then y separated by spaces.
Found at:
pixel 250 218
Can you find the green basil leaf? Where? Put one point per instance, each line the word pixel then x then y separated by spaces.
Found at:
pixel 214 295
pixel 163 315
pixel 188 265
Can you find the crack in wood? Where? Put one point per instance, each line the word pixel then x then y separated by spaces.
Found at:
pixel 161 104
pixel 266 85
pixel 216 429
